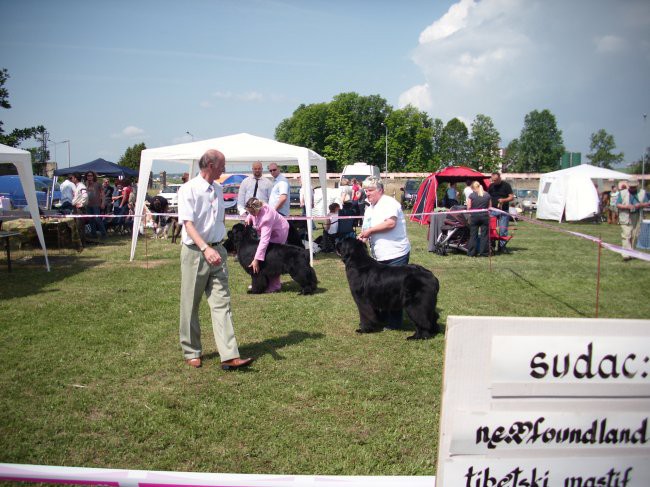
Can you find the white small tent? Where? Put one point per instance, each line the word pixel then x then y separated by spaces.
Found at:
pixel 241 151
pixel 23 162
pixel 571 192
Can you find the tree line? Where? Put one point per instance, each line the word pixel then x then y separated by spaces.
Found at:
pixel 353 128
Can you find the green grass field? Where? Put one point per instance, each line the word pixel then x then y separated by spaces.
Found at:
pixel 91 373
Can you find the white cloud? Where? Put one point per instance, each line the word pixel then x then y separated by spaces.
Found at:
pixel 609 43
pixel 132 131
pixel 206 104
pixel 454 20
pixel 418 96
pixel 505 58
pixel 129 132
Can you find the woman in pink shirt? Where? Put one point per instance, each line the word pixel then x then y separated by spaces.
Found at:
pixel 271 228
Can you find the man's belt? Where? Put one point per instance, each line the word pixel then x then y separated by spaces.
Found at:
pixel 211 244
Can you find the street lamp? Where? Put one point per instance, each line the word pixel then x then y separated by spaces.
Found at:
pixel 386 127
pixel 191 135
pixel 67 141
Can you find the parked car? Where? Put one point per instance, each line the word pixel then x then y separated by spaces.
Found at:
pixel 230 194
pixel 410 192
pixel 525 199
pixel 294 196
pixel 170 193
pixel 11 187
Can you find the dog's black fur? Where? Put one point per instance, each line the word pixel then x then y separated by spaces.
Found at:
pixel 378 288
pixel 279 259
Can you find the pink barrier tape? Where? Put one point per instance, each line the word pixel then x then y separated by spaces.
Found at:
pixel 146 478
pixel 614 248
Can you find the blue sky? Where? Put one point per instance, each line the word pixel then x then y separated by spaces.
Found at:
pixel 109 74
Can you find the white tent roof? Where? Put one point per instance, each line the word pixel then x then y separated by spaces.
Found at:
pixel 241 150
pixel 23 162
pixel 571 192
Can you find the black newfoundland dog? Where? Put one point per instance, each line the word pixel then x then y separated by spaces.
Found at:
pixel 378 288
pixel 280 259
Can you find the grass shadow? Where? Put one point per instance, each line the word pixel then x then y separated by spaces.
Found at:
pixel 547 294
pixel 272 345
pixel 28 278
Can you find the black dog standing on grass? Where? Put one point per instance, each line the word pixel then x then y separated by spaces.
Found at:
pixel 378 288
pixel 280 259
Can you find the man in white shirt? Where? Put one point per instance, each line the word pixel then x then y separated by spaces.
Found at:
pixel 468 190
pixel 279 197
pixel 203 264
pixel 385 227
pixel 67 193
pixel 79 194
pixel 254 186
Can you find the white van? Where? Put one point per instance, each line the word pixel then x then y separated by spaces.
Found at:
pixel 359 171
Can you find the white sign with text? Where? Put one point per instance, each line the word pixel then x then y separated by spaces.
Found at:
pixel 580 366
pixel 545 401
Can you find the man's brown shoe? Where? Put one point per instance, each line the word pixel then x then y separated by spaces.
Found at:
pixel 236 363
pixel 193 362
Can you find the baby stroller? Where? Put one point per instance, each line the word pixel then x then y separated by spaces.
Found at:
pixel 454 233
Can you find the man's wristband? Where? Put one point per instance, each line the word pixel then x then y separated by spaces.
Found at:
pixel 202 248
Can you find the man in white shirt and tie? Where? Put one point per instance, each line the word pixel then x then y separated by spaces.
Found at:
pixel 254 186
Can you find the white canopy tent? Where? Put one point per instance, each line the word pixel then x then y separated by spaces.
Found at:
pixel 241 151
pixel 23 162
pixel 571 192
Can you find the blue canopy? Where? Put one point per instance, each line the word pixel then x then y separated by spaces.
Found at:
pixel 101 167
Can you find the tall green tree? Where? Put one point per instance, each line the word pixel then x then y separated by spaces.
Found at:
pixel 131 157
pixel 437 129
pixel 305 127
pixel 17 136
pixel 540 143
pixel 410 140
pixel 602 147
pixel 484 145
pixel 354 125
pixel 511 161
pixel 455 147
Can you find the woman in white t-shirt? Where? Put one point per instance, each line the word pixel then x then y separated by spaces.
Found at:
pixel 384 227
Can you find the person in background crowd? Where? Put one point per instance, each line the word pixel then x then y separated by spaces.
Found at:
pixel 255 186
pixel 612 216
pixel 271 228
pixel 203 264
pixel 185 177
pixel 502 194
pixel 80 195
pixel 67 193
pixel 385 227
pixel 108 191
pixel 631 203
pixel 79 203
pixel 452 196
pixel 159 204
pixel 279 197
pixel 467 191
pixel 345 192
pixel 95 204
pixel 479 222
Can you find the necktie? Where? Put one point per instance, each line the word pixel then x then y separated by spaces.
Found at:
pixel 255 189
